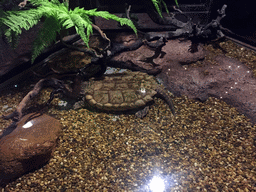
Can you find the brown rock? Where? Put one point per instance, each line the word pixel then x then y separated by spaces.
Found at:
pixel 177 50
pixel 173 51
pixel 28 147
pixel 230 81
pixel 11 58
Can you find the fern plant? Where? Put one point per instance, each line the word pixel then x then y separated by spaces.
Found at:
pixel 158 6
pixel 57 19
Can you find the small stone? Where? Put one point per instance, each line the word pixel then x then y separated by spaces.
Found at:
pixel 28 147
pixel 5 107
pixel 62 103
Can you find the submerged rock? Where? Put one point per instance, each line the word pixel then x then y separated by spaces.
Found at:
pixel 230 81
pixel 28 146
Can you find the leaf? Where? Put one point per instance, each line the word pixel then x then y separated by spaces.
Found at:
pixel 46 36
pixel 57 18
pixel 80 25
pixel 107 15
pixel 157 6
pixel 16 20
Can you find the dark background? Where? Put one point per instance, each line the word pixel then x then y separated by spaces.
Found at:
pixel 240 19
pixel 240 15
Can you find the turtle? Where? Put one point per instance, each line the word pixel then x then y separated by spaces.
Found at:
pixel 126 91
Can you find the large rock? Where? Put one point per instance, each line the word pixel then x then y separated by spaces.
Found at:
pixel 230 81
pixel 28 147
pixel 11 58
pixel 147 58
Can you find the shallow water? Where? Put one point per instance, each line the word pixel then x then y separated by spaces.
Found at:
pixel 208 146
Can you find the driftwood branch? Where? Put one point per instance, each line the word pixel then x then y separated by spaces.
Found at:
pixel 91 52
pixel 23 3
pixel 99 62
pixel 211 30
pixel 48 82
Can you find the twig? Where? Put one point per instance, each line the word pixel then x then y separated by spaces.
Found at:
pixel 23 4
pixel 51 82
pixel 128 12
pixel 176 9
pixel 93 53
pixel 103 35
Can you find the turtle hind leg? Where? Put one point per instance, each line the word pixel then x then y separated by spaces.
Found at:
pixel 162 93
pixel 142 113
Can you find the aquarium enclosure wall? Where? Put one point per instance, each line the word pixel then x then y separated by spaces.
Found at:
pixel 199 11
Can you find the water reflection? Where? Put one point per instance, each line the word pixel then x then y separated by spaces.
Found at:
pixel 157 184
pixel 28 124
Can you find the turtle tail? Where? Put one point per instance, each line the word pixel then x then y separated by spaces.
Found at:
pixel 162 93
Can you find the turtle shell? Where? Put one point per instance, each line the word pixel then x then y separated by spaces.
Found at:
pixel 121 91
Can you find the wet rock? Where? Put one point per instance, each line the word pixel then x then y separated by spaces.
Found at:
pixel 179 51
pixel 11 58
pixel 230 81
pixel 174 50
pixel 28 146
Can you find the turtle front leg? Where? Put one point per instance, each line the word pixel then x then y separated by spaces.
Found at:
pixel 142 113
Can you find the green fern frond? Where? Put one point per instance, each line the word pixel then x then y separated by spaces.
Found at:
pixel 44 2
pixel 46 36
pixel 13 38
pixel 176 2
pixel 157 4
pixel 165 6
pixel 107 15
pixel 16 20
pixel 81 24
pixel 57 18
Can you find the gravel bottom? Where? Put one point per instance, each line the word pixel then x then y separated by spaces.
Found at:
pixel 206 147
